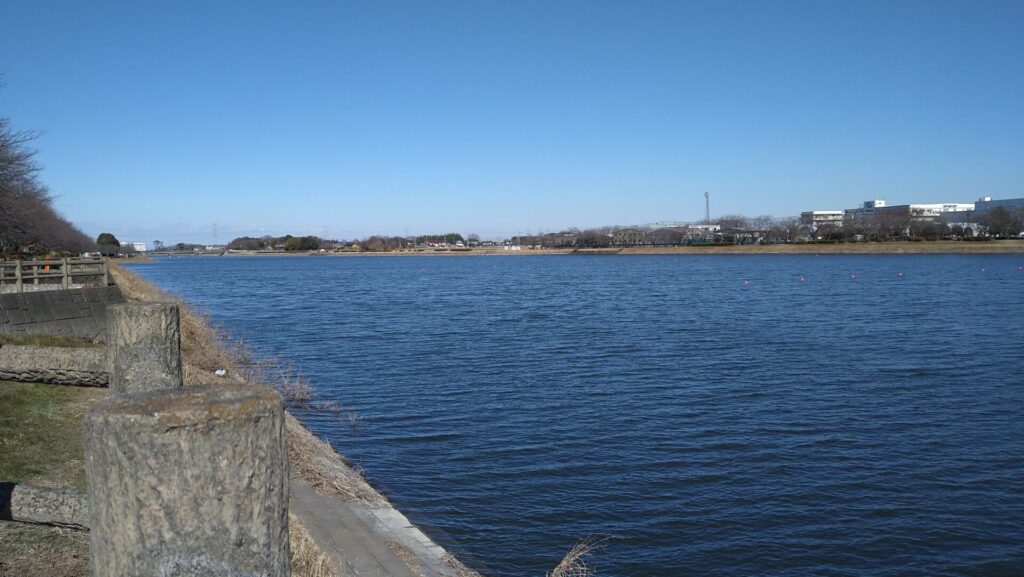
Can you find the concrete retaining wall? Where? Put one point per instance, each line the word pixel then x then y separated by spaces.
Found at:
pixel 56 365
pixel 77 312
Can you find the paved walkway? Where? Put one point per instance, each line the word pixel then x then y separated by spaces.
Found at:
pixel 365 540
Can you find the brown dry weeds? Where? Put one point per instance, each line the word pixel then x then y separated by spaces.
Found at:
pixel 39 551
pixel 308 560
pixel 574 564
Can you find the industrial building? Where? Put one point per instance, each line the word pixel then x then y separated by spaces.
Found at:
pixel 138 246
pixel 986 204
pixel 876 209
pixel 825 220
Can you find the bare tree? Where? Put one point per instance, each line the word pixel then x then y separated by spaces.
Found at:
pixel 28 222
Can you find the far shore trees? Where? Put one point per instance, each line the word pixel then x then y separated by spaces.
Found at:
pixel 107 238
pixel 302 243
pixel 286 242
pixel 28 222
pixel 384 243
pixel 728 229
pixel 108 243
pixel 247 243
pixel 449 238
pixel 1004 222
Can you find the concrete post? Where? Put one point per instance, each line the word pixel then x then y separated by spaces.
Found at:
pixel 188 483
pixel 17 276
pixel 143 347
pixel 66 270
pixel 45 505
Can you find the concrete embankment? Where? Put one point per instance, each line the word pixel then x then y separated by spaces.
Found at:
pixel 78 312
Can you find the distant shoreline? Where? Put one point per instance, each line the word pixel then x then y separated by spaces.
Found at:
pixel 1010 246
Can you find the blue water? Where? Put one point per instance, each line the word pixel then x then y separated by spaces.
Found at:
pixel 712 415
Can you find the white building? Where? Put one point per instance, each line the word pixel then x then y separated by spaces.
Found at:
pixel 986 204
pixel 826 219
pixel 137 246
pixel 874 209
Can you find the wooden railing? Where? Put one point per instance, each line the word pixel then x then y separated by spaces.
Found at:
pixel 52 274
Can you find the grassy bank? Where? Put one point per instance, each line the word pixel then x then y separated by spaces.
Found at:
pixel 40 444
pixel 47 341
pixel 39 433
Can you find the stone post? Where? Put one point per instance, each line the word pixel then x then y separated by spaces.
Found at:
pixel 45 505
pixel 143 347
pixel 188 482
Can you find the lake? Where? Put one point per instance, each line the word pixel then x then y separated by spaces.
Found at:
pixel 774 415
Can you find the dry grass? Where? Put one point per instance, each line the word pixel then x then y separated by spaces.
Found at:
pixel 308 560
pixel 38 551
pixel 40 440
pixel 403 553
pixel 48 341
pixel 574 563
pixel 328 407
pixel 457 566
pixel 322 467
pixel 294 388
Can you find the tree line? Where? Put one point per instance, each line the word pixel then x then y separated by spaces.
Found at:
pixel 728 229
pixel 375 243
pixel 29 225
pixel 286 242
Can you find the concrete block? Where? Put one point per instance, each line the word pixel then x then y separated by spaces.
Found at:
pixel 188 482
pixel 144 347
pixel 43 505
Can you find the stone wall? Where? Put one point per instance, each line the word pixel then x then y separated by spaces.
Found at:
pixel 78 312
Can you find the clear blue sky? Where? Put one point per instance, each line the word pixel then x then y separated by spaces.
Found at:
pixel 345 119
